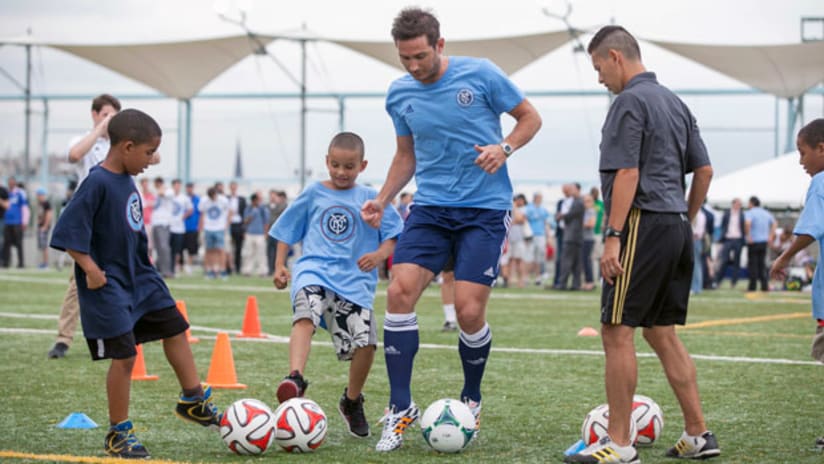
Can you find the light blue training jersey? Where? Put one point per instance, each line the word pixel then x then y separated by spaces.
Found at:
pixel 446 119
pixel 761 221
pixel 334 237
pixel 811 222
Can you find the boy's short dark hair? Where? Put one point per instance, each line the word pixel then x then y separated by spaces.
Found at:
pixel 414 22
pixel 813 133
pixel 755 201
pixel 134 125
pixel 348 141
pixel 615 38
pixel 105 99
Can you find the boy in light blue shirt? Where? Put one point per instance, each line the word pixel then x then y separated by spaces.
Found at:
pixel 335 277
pixel 810 227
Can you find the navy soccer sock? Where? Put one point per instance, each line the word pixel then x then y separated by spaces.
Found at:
pixel 474 351
pixel 400 344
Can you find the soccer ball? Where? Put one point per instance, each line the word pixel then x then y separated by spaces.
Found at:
pixel 596 423
pixel 649 419
pixel 248 426
pixel 448 425
pixel 301 425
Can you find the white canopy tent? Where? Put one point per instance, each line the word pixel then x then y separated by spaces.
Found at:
pixel 785 71
pixel 779 183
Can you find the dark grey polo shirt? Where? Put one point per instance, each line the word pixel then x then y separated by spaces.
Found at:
pixel 648 127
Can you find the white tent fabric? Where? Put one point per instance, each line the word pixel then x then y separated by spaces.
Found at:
pixel 176 69
pixel 182 69
pixel 779 183
pixel 782 70
pixel 509 53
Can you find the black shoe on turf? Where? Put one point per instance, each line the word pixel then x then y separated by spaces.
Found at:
pixel 199 409
pixel 704 446
pixel 58 350
pixel 352 413
pixel 122 443
pixel 292 386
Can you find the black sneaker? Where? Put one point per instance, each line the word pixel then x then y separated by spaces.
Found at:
pixel 122 443
pixel 352 413
pixel 449 326
pixel 199 409
pixel 292 386
pixel 819 443
pixel 695 447
pixel 58 350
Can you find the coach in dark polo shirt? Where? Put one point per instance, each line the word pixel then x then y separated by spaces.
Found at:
pixel 650 141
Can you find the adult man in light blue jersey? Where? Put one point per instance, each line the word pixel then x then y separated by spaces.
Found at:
pixel 446 112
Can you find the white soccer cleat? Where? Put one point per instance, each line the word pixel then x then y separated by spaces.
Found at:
pixel 394 425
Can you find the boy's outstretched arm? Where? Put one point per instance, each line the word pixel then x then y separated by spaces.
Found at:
pixel 281 277
pixel 370 261
pixel 778 270
pixel 95 277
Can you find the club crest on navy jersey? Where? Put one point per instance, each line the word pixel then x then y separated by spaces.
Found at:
pixel 134 212
pixel 338 223
pixel 465 97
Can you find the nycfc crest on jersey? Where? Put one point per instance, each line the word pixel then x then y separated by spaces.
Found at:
pixel 134 213
pixel 213 212
pixel 338 223
pixel 465 97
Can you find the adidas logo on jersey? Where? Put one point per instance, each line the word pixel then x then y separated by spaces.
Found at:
pixel 489 272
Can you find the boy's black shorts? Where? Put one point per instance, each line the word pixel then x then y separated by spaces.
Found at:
pixel 657 257
pixel 155 325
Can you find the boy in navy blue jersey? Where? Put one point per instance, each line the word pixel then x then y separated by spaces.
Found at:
pixel 123 300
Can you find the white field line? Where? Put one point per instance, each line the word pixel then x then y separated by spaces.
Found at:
pixel 539 351
pixel 583 297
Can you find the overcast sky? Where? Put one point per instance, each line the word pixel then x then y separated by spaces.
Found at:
pixel 565 149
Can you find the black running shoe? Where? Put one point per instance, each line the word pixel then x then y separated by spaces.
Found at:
pixel 122 443
pixel 819 443
pixel 704 446
pixel 58 350
pixel 199 409
pixel 352 413
pixel 292 386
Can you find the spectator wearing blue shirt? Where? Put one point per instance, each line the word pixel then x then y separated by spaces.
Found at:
pixel 191 239
pixel 255 219
pixel 759 228
pixel 16 212
pixel 538 218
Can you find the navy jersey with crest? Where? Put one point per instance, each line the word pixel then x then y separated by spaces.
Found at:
pixel 334 237
pixel 104 219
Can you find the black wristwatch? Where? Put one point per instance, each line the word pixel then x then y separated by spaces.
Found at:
pixel 610 232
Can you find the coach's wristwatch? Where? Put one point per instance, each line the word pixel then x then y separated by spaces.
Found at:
pixel 507 148
pixel 610 232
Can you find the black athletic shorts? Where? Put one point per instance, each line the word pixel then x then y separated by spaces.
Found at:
pixel 191 243
pixel 156 325
pixel 657 257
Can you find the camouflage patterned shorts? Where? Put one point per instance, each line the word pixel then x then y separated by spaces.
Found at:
pixel 350 325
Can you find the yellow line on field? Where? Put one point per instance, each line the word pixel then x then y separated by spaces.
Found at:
pixel 745 320
pixel 81 459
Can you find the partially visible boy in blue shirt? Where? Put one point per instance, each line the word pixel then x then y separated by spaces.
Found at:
pixel 336 275
pixel 123 300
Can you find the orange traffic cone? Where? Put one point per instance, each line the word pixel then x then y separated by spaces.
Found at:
pixel 139 369
pixel 181 306
pixel 251 321
pixel 222 370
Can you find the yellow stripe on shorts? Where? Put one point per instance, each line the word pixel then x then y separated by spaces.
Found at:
pixel 627 260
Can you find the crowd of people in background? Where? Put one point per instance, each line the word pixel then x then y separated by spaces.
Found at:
pixel 554 250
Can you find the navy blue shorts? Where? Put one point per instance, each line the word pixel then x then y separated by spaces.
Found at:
pixel 155 325
pixel 473 237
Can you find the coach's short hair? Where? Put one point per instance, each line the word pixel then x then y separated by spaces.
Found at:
pixel 414 22
pixel 615 38
pixel 813 133
pixel 105 99
pixel 348 141
pixel 134 125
